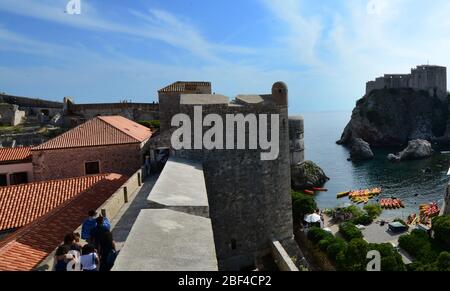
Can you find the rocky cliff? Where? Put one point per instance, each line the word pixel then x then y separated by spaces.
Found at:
pixel 392 117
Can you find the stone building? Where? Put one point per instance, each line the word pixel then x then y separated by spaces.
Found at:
pixel 105 144
pixel 76 114
pixel 11 115
pixel 169 98
pixel 429 78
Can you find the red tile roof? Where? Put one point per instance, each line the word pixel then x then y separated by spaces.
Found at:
pixel 133 129
pixel 22 204
pixel 20 154
pixel 29 246
pixel 183 86
pixel 100 131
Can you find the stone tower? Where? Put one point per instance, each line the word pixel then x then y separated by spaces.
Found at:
pixel 249 199
pixel 296 139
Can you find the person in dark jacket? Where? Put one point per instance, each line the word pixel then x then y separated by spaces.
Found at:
pixel 107 252
pixel 98 233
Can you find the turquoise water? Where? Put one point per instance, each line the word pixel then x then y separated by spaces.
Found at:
pixel 405 180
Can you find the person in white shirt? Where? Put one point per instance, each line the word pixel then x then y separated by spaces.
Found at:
pixel 89 259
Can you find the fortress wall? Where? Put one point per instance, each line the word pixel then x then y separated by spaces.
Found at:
pixel 429 78
pixel 30 102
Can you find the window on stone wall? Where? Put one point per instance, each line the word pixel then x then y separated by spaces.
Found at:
pixel 92 168
pixel 3 180
pixel 18 178
pixel 233 244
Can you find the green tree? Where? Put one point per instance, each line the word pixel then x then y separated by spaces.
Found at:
pixel 373 210
pixel 354 257
pixel 441 228
pixel 302 205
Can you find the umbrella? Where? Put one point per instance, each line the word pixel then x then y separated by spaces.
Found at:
pixel 313 218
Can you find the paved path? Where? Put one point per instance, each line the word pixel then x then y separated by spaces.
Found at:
pixel 124 220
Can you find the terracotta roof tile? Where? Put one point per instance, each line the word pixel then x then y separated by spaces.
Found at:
pixel 183 86
pixel 129 127
pixel 99 131
pixel 21 204
pixel 15 154
pixel 29 246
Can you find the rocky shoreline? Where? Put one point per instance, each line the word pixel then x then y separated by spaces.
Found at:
pixel 397 118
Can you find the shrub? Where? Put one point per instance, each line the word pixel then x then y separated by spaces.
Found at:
pixel 302 205
pixel 373 210
pixel 355 211
pixel 325 243
pixel 391 260
pixel 337 246
pixel 350 231
pixel 441 228
pixel 419 245
pixel 443 262
pixel 354 257
pixel 316 234
pixel 364 219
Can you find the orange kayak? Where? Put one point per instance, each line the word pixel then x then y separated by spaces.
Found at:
pixel 309 192
pixel 320 189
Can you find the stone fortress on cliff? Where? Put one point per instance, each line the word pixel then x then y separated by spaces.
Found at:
pixel 432 79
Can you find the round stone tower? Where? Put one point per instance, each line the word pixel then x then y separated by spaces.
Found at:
pixel 280 93
pixel 296 139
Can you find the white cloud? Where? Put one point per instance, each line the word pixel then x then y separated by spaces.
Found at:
pixel 158 25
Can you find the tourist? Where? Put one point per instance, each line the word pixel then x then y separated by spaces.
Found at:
pixel 61 259
pixel 98 233
pixel 106 223
pixel 88 225
pixel 71 244
pixel 89 260
pixel 77 237
pixel 108 252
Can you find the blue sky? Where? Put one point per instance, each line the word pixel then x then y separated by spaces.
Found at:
pixel 115 49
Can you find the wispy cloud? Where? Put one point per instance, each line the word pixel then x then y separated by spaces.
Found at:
pixel 156 25
pixel 302 32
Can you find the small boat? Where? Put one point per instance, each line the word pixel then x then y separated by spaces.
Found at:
pixel 320 189
pixel 309 192
pixel 343 194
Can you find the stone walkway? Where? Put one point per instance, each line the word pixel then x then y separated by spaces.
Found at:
pixel 124 220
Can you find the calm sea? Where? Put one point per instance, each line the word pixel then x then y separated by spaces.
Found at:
pixel 415 182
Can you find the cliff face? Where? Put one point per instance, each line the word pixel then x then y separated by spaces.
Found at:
pixel 392 117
